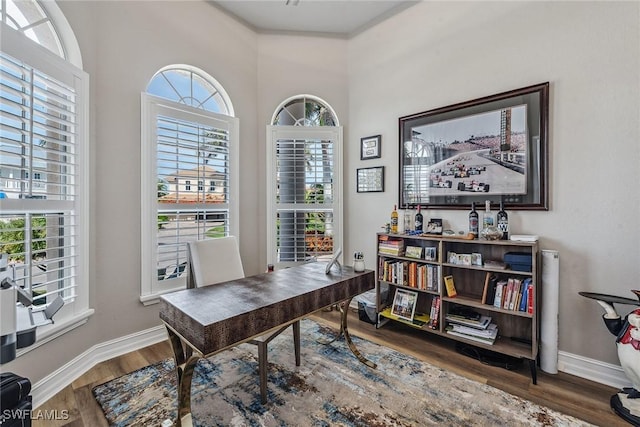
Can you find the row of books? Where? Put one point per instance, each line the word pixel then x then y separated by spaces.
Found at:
pixel 412 274
pixel 509 294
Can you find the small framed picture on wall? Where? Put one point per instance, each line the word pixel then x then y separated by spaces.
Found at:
pixel 370 147
pixel 370 180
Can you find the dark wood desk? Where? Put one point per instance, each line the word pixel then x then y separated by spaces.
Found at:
pixel 204 321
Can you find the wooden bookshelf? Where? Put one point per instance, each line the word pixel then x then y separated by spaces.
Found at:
pixel 518 331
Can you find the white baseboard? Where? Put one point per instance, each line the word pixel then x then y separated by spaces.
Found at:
pixel 53 383
pixel 43 390
pixel 593 370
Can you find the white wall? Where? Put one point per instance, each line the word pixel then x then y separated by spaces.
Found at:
pixel 439 53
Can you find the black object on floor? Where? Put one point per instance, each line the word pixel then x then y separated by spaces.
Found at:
pixel 15 400
pixel 489 357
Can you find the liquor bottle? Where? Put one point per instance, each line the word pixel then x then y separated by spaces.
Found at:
pixel 407 222
pixel 502 220
pixel 489 230
pixel 487 218
pixel 473 221
pixel 419 220
pixel 394 220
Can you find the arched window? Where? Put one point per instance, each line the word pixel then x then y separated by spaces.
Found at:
pixel 189 184
pixel 44 197
pixel 190 86
pixel 304 192
pixel 45 24
pixel 304 110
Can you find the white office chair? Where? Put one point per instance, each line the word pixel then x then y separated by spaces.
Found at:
pixel 218 260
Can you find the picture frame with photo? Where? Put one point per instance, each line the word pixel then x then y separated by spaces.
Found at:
pixel 430 253
pixel 404 304
pixel 476 259
pixel 370 147
pixel 370 180
pixel 491 148
pixel 434 226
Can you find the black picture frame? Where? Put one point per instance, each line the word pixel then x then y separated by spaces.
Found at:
pixel 492 148
pixel 371 147
pixel 370 180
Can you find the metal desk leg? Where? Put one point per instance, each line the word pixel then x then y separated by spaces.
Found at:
pixel 185 362
pixel 344 310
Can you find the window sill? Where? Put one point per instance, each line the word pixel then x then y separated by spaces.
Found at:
pixel 154 298
pixel 51 332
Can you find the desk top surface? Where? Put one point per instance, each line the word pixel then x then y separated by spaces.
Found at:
pixel 216 316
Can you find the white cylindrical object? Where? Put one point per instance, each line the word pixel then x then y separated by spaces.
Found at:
pixel 8 322
pixel 549 311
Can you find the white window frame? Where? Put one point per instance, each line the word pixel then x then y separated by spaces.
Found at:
pixel 75 312
pixel 275 133
pixel 151 107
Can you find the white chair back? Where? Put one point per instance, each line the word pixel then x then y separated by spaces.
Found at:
pixel 214 261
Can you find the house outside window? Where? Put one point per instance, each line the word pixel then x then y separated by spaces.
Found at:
pixel 189 136
pixel 304 188
pixel 44 224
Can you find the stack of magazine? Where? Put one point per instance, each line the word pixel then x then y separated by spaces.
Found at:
pixel 472 326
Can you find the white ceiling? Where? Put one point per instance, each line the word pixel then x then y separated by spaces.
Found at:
pixel 337 18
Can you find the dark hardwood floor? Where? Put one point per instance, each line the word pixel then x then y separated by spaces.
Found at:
pixel 575 396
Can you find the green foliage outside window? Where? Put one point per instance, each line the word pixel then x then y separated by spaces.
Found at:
pixel 315 221
pixel 12 232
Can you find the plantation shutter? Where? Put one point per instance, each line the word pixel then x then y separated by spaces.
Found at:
pixel 306 193
pixel 39 179
pixel 193 165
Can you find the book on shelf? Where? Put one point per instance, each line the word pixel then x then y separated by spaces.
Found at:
pixel 450 286
pixel 491 289
pixel 482 323
pixel 525 295
pixel 530 297
pixel 490 332
pixel 485 289
pixel 487 336
pixel 390 250
pixel 435 312
pixel 513 287
pixel 387 246
pixel 500 293
pixel 465 312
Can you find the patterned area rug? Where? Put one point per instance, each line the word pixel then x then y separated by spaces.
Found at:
pixel 331 388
